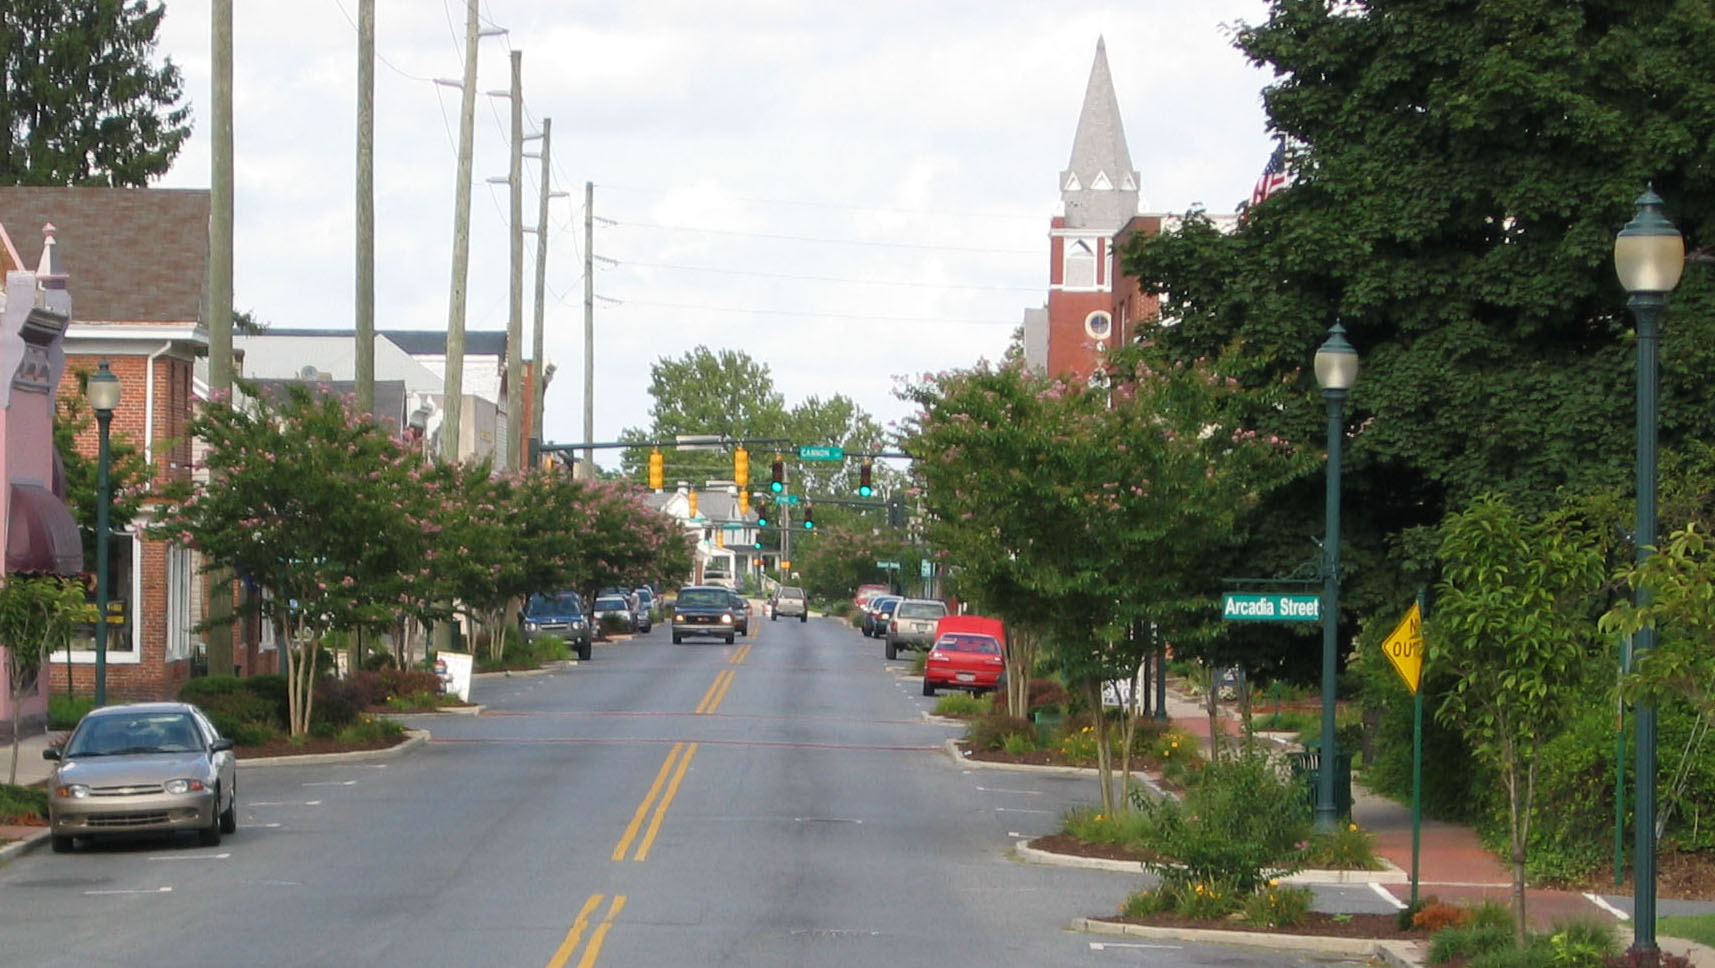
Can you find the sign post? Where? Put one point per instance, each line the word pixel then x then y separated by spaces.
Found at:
pixel 1404 648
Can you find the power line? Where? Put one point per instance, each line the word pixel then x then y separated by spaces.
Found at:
pixel 814 315
pixel 800 203
pixel 859 282
pixel 809 238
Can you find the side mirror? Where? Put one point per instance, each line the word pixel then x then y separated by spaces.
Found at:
pixel 220 745
pixel 51 753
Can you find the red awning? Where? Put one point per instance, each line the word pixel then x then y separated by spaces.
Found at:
pixel 41 536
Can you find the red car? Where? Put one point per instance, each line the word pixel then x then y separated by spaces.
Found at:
pixel 967 654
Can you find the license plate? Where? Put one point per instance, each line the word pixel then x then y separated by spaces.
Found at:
pixel 967 677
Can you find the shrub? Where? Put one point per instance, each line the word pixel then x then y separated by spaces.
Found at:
pixel 1079 745
pixel 247 711
pixel 1156 900
pixel 919 661
pixel 1047 693
pixel 612 625
pixel 961 704
pixel 1434 915
pixel 20 804
pixel 1278 907
pixel 1582 944
pixel 411 682
pixel 368 729
pixel 1535 954
pixel 1348 848
pixel 1209 900
pixel 1128 828
pixel 370 686
pixel 1467 941
pixel 1633 958
pixel 65 711
pixel 337 704
pixel 990 732
pixel 378 660
pixel 1491 914
pixel 1238 821
pixel 1017 743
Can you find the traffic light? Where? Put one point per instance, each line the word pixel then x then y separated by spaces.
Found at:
pixel 691 503
pixel 741 467
pixel 743 502
pixel 896 513
pixel 657 470
pixel 809 517
pixel 757 544
pixel 764 517
pixel 866 486
pixel 778 482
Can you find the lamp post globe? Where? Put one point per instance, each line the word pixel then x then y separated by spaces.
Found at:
pixel 102 395
pixel 1336 366
pixel 1649 255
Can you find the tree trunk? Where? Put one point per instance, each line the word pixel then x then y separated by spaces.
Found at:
pixel 1515 810
pixel 1212 702
pixel 12 690
pixel 1104 762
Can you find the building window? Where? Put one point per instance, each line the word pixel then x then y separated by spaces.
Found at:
pixel 1099 325
pixel 178 603
pixel 1080 265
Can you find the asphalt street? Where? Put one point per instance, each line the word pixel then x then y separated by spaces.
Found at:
pixel 780 802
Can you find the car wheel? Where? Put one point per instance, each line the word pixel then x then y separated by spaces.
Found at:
pixel 584 649
pixel 61 845
pixel 730 638
pixel 229 816
pixel 892 650
pixel 773 617
pixel 678 640
pixel 928 687
pixel 804 617
pixel 209 836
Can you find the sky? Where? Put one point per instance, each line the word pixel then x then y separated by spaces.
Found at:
pixel 848 193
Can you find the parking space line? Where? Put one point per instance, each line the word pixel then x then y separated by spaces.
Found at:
pixel 1398 904
pixel 163 889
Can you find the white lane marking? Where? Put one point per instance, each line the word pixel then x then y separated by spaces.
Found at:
pixel 1016 810
pixel 1602 903
pixel 267 803
pixel 220 856
pixel 1022 793
pixel 1105 945
pixel 330 783
pixel 1386 895
pixel 158 890
pixel 270 826
pixel 312 803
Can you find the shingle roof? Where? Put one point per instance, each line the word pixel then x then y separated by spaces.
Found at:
pixel 134 255
pixel 428 342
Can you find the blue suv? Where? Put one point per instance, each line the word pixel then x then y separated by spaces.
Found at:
pixel 561 614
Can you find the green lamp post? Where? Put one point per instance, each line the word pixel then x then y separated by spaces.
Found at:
pixel 1336 371
pixel 1649 255
pixel 103 396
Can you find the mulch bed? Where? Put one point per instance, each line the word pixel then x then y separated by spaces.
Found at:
pixel 286 746
pixel 1382 927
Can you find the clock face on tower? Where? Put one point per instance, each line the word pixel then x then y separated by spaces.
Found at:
pixel 1099 325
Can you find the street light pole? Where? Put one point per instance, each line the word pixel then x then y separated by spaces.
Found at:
pixel 1649 255
pixel 103 394
pixel 1336 371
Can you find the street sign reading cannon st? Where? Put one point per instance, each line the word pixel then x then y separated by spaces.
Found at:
pixel 1270 607
pixel 821 452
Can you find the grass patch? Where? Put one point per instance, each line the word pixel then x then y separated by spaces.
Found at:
pixel 1129 828
pixel 369 729
pixel 20 804
pixel 1285 721
pixel 1692 927
pixel 962 705
pixel 919 662
pixel 65 711
pixel 1348 848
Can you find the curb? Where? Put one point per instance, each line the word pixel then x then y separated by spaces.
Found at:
pixel 1036 855
pixel 1404 954
pixel 416 738
pixel 19 848
pixel 959 757
pixel 514 673
pixel 474 709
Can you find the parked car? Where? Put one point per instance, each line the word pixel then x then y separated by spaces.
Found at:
pixel 741 613
pixel 868 593
pixel 643 618
pixel 704 610
pixel 612 611
pixel 913 624
pixel 789 600
pixel 967 654
pixel 880 611
pixel 158 767
pixel 558 613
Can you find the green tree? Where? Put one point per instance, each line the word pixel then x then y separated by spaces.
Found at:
pixel 1513 625
pixel 128 473
pixel 37 613
pixel 83 103
pixel 723 393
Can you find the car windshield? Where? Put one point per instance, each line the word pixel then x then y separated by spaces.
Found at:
pixel 609 604
pixel 559 604
pixel 968 643
pixel 887 605
pixel 791 593
pixel 704 597
pixel 119 735
pixel 920 610
pixel 645 595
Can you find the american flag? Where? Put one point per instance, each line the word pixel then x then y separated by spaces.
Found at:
pixel 1273 177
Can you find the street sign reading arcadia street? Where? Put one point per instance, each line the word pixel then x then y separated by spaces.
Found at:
pixel 821 452
pixel 1236 607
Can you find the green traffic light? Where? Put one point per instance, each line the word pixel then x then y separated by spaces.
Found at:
pixel 865 491
pixel 809 525
pixel 776 486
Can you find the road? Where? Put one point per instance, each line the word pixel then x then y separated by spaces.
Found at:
pixel 779 802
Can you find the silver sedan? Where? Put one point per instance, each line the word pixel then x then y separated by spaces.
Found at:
pixel 142 768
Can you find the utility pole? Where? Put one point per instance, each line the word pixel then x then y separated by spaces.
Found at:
pixel 452 404
pixel 365 310
pixel 220 651
pixel 539 384
pixel 589 326
pixel 515 311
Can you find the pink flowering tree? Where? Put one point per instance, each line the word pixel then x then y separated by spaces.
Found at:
pixel 318 505
pixel 1077 511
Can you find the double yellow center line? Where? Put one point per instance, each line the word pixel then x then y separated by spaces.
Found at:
pixel 660 805
pixel 580 925
pixel 723 682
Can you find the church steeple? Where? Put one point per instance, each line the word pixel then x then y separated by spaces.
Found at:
pixel 1099 186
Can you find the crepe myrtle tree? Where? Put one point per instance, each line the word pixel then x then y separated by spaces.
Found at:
pixel 624 542
pixel 1071 509
pixel 322 507
pixel 37 614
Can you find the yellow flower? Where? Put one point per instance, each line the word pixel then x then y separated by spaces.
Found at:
pixel 1273 883
pixel 1352 827
pixel 1099 817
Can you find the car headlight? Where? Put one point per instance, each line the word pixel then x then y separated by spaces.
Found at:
pixel 183 786
pixel 726 617
pixel 531 626
pixel 577 623
pixel 76 791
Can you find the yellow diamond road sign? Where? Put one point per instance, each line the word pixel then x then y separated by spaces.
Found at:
pixel 1404 647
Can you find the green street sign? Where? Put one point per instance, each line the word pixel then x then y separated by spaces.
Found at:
pixel 786 498
pixel 889 565
pixel 736 525
pixel 821 452
pixel 1271 607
